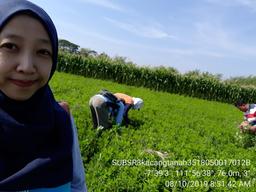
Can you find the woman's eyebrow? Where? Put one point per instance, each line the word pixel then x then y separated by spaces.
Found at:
pixel 14 36
pixel 44 41
pixel 11 36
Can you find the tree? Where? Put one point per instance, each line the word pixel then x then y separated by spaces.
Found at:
pixel 87 52
pixel 166 69
pixel 65 45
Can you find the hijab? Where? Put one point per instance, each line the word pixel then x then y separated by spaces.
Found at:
pixel 35 135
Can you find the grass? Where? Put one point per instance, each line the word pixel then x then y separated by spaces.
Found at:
pixel 169 128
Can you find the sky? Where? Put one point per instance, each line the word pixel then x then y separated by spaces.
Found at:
pixel 215 36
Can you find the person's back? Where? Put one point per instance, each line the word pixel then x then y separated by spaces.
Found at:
pixel 126 98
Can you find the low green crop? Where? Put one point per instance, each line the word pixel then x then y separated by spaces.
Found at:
pixel 175 143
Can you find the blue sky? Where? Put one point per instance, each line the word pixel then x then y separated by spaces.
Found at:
pixel 217 36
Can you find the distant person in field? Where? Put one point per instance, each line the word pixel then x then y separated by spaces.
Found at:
pixel 249 110
pixel 129 103
pixel 38 141
pixel 106 107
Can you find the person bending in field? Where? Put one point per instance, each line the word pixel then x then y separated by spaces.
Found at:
pixel 129 103
pixel 106 107
pixel 249 122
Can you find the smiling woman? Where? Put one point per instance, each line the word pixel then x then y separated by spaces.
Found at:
pixel 26 59
pixel 38 141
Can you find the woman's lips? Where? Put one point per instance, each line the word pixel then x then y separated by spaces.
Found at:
pixel 23 83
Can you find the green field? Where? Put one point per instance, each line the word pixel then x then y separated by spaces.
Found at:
pixel 175 143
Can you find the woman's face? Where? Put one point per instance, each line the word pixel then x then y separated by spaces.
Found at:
pixel 25 57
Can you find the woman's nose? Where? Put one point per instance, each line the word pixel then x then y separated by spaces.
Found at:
pixel 26 63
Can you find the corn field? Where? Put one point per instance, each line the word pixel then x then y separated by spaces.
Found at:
pixel 156 79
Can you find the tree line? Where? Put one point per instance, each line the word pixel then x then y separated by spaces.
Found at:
pixel 72 48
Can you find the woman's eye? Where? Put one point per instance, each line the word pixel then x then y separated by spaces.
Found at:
pixel 9 46
pixel 45 52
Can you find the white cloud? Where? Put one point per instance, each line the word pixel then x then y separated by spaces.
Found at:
pixel 217 37
pixel 213 34
pixel 196 52
pixel 81 35
pixel 150 31
pixel 251 4
pixel 248 3
pixel 107 4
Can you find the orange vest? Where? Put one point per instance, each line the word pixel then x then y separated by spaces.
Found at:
pixel 127 99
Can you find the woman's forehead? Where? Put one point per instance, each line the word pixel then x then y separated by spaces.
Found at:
pixel 23 24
